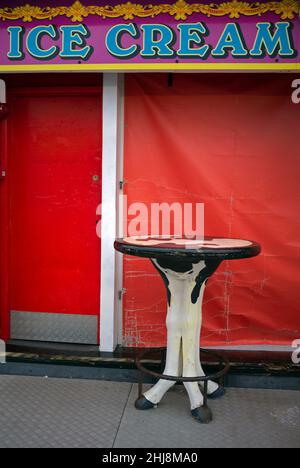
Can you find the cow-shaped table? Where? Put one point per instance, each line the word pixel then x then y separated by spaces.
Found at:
pixel 185 266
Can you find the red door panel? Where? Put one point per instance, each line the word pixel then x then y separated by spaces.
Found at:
pixel 55 187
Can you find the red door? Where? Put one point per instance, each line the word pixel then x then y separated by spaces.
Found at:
pixel 54 179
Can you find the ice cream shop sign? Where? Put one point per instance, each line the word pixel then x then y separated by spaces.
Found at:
pixel 175 36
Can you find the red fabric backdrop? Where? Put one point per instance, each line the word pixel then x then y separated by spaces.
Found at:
pixel 232 142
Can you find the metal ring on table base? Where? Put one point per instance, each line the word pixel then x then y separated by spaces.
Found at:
pixel 219 376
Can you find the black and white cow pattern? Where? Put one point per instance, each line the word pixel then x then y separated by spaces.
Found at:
pixel 185 282
pixel 185 265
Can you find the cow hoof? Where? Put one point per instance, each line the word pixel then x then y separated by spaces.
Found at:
pixel 203 414
pixel 144 404
pixel 219 393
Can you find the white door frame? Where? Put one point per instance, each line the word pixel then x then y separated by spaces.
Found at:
pixel 112 176
pixel 2 92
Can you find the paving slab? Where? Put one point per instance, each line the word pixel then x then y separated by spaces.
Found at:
pixel 42 412
pixel 243 418
pixel 39 412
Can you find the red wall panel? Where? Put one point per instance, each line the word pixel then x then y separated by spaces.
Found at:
pixel 230 141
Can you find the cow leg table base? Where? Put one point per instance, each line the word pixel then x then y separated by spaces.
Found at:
pixel 202 414
pixel 185 264
pixel 185 282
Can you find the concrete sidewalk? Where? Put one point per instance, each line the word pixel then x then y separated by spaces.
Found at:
pixel 40 412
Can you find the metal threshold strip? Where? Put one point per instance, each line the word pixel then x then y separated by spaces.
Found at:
pixel 255 359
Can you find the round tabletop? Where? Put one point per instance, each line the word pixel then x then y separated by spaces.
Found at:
pixel 183 248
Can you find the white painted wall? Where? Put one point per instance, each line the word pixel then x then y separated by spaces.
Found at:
pixel 112 174
pixel 2 92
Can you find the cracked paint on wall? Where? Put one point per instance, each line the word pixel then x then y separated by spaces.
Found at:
pixel 228 141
